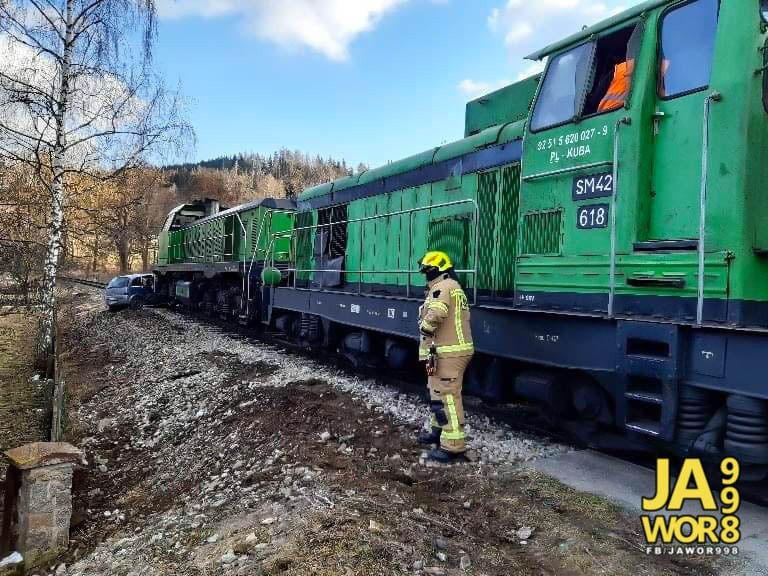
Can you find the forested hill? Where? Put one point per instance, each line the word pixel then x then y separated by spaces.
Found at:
pixel 243 177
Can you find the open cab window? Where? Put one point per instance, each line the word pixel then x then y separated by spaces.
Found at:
pixel 591 79
pixel 764 10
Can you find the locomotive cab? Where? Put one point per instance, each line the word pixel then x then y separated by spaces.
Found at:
pixel 658 188
pixel 656 179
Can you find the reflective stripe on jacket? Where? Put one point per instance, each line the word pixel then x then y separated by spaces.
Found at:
pixel 618 91
pixel 444 320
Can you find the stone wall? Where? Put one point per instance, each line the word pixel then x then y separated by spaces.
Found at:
pixel 39 525
pixel 44 509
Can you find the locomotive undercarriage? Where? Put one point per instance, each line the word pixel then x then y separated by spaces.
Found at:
pixel 221 297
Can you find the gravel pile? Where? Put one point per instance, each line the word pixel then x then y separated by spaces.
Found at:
pixel 494 441
pixel 171 416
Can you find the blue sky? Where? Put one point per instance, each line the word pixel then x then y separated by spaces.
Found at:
pixel 364 80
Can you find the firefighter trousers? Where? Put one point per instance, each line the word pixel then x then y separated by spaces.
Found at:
pixel 446 403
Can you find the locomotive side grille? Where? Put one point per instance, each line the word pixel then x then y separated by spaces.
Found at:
pixel 507 228
pixel 542 233
pixel 335 241
pixel 451 235
pixel 304 244
pixel 487 190
pixel 498 196
pixel 338 245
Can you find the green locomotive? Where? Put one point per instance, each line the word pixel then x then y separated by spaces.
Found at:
pixel 212 259
pixel 615 250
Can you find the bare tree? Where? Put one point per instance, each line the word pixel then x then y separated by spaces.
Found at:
pixel 22 233
pixel 77 95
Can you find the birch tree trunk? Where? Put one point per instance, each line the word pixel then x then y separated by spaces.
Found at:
pixel 58 163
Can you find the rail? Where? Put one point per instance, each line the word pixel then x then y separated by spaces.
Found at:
pixel 292 235
pixel 84 282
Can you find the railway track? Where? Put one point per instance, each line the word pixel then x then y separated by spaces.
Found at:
pixel 84 282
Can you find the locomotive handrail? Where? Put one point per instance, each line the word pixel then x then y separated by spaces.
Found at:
pixel 255 253
pixel 245 244
pixel 614 201
pixel 714 97
pixel 409 212
pixel 250 268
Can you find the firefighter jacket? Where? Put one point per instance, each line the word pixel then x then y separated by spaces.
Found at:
pixel 444 320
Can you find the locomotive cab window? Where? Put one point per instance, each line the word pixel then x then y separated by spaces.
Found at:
pixel 764 10
pixel 591 79
pixel 613 70
pixel 562 91
pixel 687 48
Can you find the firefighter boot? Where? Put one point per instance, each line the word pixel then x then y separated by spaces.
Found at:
pixel 444 457
pixel 431 437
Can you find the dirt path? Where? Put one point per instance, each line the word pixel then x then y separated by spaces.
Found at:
pixel 208 456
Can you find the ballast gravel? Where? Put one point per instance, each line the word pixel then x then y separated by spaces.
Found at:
pixel 494 441
pixel 172 420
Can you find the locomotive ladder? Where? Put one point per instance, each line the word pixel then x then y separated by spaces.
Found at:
pixel 649 366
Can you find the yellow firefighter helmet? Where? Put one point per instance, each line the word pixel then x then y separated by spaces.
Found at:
pixel 436 259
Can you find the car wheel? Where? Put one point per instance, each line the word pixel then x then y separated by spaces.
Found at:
pixel 137 303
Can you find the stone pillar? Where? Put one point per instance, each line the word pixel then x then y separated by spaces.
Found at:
pixel 43 507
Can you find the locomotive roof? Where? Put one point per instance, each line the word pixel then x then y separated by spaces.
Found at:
pixel 597 28
pixel 273 203
pixel 498 135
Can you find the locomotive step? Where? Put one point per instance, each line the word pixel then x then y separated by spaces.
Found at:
pixel 650 397
pixel 645 427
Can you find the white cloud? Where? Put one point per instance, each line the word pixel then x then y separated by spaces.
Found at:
pixel 518 31
pixel 474 88
pixel 527 25
pixel 533 69
pixel 493 19
pixel 470 87
pixel 326 26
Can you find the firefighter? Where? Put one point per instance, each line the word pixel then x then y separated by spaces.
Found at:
pixel 446 347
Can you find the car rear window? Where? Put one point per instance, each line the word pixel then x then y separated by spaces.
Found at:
pixel 119 282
